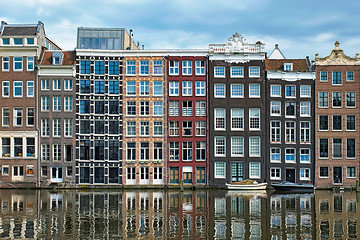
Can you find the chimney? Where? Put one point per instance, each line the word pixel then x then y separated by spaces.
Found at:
pixel 142 47
pixel 131 38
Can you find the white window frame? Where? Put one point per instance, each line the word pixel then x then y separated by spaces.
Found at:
pixel 304 174
pixel 4 63
pixel 128 126
pixel 216 139
pixel 29 86
pixel 254 115
pixel 303 154
pixel 187 88
pixel 305 133
pixel 219 113
pixel 45 127
pixel 158 105
pixel 187 67
pixel 56 84
pixel 200 67
pixel 30 60
pixel 68 84
pixel 237 146
pixel 68 103
pixel 220 166
pixel 130 67
pixel 237 69
pixel 56 127
pixel 272 90
pixel 216 95
pixel 275 151
pixel 240 90
pixel 275 131
pixel 252 146
pixel 305 109
pixel 219 72
pixel 290 132
pixel 68 127
pixel 200 88
pixel 200 108
pixel 14 64
pixel 6 84
pixel 276 171
pixel 275 105
pixel 305 91
pixel 56 103
pixel 257 90
pixel 240 116
pixel 290 154
pixel 254 166
pixel 14 89
pixel 174 88
pixel 254 71
pixel 173 67
pixel 159 86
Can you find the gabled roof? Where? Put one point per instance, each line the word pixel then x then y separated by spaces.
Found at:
pixel 19 31
pixel 299 65
pixel 276 53
pixel 68 59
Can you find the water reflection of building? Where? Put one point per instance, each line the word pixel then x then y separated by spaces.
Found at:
pixel 337 215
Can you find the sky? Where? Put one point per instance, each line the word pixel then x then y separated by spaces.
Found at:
pixel 300 27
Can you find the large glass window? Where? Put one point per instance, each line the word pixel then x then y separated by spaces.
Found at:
pixel 237 146
pixel 254 118
pixel 144 67
pixel 200 151
pixel 85 86
pixel 220 117
pixel 290 91
pixel 275 108
pixel 187 108
pixel 337 148
pixel 254 71
pixel 237 119
pixel 337 122
pixel 174 151
pixel 187 151
pixel 18 63
pixel 85 67
pixel 99 67
pixel 131 68
pixel 114 87
pixel 113 67
pixel 99 87
pixel 337 79
pixel 290 109
pixel 290 155
pixel 18 117
pixel 254 90
pixel 305 132
pixel 275 154
pixel 6 89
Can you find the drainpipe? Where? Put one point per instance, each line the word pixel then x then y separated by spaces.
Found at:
pixel 37 125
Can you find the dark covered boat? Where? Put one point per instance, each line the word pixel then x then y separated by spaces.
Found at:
pixel 293 187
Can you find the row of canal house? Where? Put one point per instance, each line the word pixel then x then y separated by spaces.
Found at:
pixel 110 113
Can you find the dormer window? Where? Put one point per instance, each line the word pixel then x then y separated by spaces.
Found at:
pixel 18 41
pixel 30 41
pixel 6 41
pixel 57 58
pixel 288 67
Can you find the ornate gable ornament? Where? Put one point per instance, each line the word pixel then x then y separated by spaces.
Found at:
pixel 337 57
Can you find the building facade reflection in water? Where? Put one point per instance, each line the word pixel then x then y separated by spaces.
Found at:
pixel 30 214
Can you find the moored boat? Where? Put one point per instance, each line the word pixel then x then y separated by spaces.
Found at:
pixel 293 187
pixel 243 185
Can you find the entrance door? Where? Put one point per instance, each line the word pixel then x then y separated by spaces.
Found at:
pixel 56 174
pixel 338 175
pixel 237 171
pixel 290 175
pixel 18 173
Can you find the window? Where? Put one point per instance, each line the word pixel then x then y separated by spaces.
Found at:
pixel 84 106
pixel 254 90
pixel 187 67
pixel 254 147
pixel 200 108
pixel 324 147
pixel 144 108
pixel 220 116
pixel 200 88
pixel 144 88
pixel 68 104
pixel 324 122
pixel 30 88
pixel 174 88
pixel 323 99
pixel 187 128
pixel 158 108
pixel 18 117
pixel 85 67
pixel 45 152
pixel 220 169
pixel 18 41
pixel 99 107
pixel 144 129
pixel 220 150
pixel 337 122
pixel 187 151
pixel 304 109
pixel 237 146
pixel 158 128
pixel 84 86
pixel 113 67
pixel 290 109
pixel 131 88
pixel 275 136
pixel 290 132
pixel 200 151
pixel 305 91
pixel 174 151
pixel 114 107
pixel 174 67
pixel 200 67
pixel 114 87
pixel 237 119
pixel 219 90
pixel 99 87
pixel 30 63
pixel 324 172
pixel 113 127
pixel 200 128
pixel 30 117
pixel 56 128
pixel 254 71
pixel 5 117
pixel 350 148
pixel 187 88
pixel 275 154
pixel 45 127
pixel 337 78
pixel 45 84
pixel 219 72
pixel 18 147
pixel 174 108
pixel 237 90
pixel 6 89
pixel 351 172
pixel 158 68
pixel 275 173
pixel 131 108
pixel 99 67
pixel 6 41
pixel 5 64
pixel 237 72
pixel 131 68
pixel 275 108
pixel 5 147
pixel 131 151
pixel 173 128
pixel 18 63
pixel 275 91
pixel 304 173
pixel 288 67
pixel 57 103
pixel 290 91
pixel 144 67
pixel 145 151
pixel 254 170
pixel 350 76
pixel 187 109
pixel 290 155
pixel 350 122
pixel 18 88
pixel 68 127
pixel 131 129
pixel 337 148
pixel 323 76
pixel 305 155
pixel 158 88
pixel 350 99
pixel 254 118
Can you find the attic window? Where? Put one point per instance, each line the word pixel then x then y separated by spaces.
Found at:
pixel 6 41
pixel 288 67
pixel 57 58
pixel 18 41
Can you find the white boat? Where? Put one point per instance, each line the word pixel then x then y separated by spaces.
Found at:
pixel 254 186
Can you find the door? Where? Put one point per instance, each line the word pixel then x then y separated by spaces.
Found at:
pixel 237 171
pixel 18 173
pixel 290 175
pixel 187 177
pixel 56 174
pixel 338 175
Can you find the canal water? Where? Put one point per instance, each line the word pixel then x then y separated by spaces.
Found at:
pixel 200 214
